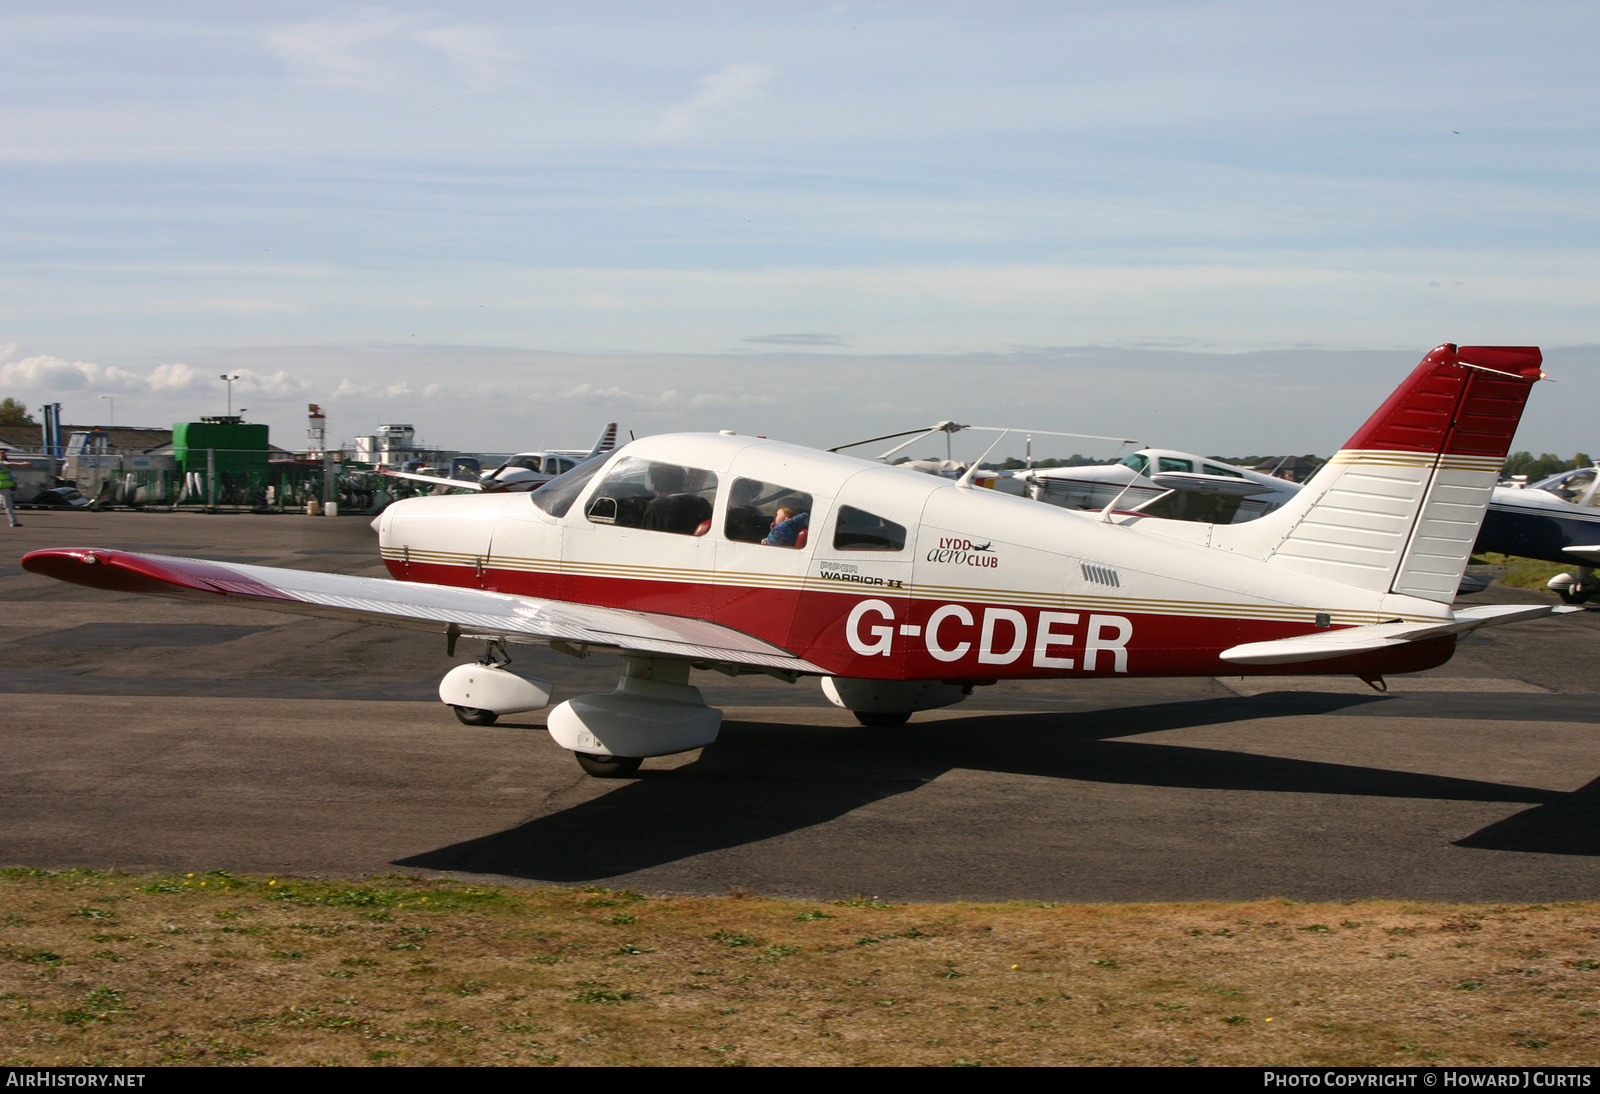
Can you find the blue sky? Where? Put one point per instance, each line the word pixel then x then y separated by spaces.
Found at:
pixel 1221 226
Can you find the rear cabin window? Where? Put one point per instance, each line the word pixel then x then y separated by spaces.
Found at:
pixel 767 513
pixel 658 497
pixel 859 530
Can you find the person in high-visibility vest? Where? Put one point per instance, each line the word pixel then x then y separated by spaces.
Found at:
pixel 8 483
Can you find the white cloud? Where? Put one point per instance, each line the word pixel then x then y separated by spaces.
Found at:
pixel 46 373
pixel 53 374
pixel 375 49
pixel 720 93
pixel 471 51
pixel 670 402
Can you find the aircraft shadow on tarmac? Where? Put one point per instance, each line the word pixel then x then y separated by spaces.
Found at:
pixel 765 780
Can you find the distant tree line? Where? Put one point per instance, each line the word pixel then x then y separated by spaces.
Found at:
pixel 1542 466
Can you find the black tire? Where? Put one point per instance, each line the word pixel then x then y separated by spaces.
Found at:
pixel 1569 597
pixel 608 767
pixel 472 716
pixel 881 719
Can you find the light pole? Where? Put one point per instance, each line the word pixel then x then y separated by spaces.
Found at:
pixel 111 405
pixel 230 377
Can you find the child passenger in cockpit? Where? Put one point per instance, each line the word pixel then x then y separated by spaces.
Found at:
pixel 787 524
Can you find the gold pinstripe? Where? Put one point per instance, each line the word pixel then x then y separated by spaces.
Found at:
pixel 1062 601
pixel 1385 458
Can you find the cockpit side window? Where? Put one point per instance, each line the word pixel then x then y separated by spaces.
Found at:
pixel 859 530
pixel 1213 469
pixel 766 513
pixel 1168 463
pixel 527 463
pixel 658 497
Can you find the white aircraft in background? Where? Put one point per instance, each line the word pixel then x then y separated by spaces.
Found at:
pixel 1160 482
pixel 904 591
pixel 1155 481
pixel 523 472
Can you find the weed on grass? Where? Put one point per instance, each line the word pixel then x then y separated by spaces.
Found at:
pixel 230 970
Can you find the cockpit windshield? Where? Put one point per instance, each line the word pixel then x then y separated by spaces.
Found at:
pixel 1136 461
pixel 1573 486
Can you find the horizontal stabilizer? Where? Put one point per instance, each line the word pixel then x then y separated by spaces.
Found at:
pixel 1352 640
pixel 1589 556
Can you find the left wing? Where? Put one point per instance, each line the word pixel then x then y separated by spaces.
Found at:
pixel 1209 484
pixel 436 480
pixel 1350 640
pixel 440 608
pixel 1588 555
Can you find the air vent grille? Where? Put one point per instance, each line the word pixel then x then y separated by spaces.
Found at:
pixel 1101 575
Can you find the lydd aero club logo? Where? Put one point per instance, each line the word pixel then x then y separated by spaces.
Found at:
pixel 955 551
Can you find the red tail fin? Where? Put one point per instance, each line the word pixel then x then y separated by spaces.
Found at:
pixel 1445 408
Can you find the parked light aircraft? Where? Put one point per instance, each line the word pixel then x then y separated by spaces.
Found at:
pixel 1555 520
pixel 1163 483
pixel 906 591
pixel 524 471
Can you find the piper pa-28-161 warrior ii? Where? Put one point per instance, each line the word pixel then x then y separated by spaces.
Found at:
pixel 524 471
pixel 905 591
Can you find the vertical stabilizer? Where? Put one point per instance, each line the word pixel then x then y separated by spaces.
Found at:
pixel 1398 508
pixel 606 442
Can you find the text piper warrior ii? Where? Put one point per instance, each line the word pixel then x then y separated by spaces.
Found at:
pixel 903 591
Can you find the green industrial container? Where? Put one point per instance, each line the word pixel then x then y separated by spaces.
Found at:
pixel 239 446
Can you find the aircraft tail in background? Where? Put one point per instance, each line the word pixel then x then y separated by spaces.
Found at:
pixel 606 442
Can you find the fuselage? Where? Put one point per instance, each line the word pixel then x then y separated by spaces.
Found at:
pixel 1538 523
pixel 897 576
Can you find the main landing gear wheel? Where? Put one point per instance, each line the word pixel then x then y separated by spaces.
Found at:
pixel 472 716
pixel 881 719
pixel 1568 597
pixel 608 767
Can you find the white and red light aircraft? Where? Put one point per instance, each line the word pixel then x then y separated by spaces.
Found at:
pixel 905 591
pixel 523 472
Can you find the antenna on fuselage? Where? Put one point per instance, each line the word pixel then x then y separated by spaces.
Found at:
pixel 1105 514
pixel 965 481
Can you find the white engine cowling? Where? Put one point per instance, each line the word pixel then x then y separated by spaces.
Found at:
pixel 891 696
pixel 490 687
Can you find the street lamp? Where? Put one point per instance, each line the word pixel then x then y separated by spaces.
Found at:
pixel 112 409
pixel 230 377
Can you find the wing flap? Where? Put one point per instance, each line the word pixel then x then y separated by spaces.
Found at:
pixel 410 604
